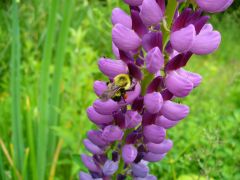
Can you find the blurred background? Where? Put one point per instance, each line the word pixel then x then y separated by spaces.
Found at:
pixel 48 63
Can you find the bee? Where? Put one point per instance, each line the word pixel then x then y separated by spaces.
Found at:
pixel 118 88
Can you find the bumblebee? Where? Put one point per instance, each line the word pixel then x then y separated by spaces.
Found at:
pixel 118 88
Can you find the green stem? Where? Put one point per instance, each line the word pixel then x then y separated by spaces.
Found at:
pixel 55 90
pixel 169 14
pixel 15 89
pixel 44 88
pixel 146 81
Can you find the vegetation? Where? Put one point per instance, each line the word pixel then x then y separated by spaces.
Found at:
pixel 48 63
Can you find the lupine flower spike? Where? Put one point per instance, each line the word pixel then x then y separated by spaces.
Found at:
pixel 137 106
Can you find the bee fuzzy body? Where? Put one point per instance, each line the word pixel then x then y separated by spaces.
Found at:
pixel 118 88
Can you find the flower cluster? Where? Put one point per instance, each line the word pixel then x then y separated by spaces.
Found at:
pixel 132 131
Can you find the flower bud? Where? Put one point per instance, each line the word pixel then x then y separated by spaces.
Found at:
pixel 110 168
pixel 161 148
pixel 134 2
pixel 178 85
pixel 154 133
pixel 165 123
pixel 151 40
pixel 89 163
pixel 214 6
pixel 119 16
pixel 153 102
pixel 112 68
pixel 97 118
pixel 94 149
pixel 132 119
pixel 193 77
pixel 182 39
pixel 124 38
pixel 96 138
pixel 174 111
pixel 129 153
pixel 112 133
pixel 154 60
pixel 85 176
pixel 151 13
pixel 105 107
pixel 151 157
pixel 140 170
pixel 207 41
pixel 99 87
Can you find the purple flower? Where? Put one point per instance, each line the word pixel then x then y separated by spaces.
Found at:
pixel 174 111
pixel 140 170
pixel 165 123
pixel 124 38
pixel 129 153
pixel 154 133
pixel 151 157
pixel 99 87
pixel 112 68
pixel 110 167
pixel 94 149
pixel 195 78
pixel 214 6
pixel 96 138
pixel 98 118
pixel 160 148
pixel 132 95
pixel 151 13
pixel 182 39
pixel 153 102
pixel 178 85
pixel 115 51
pixel 119 16
pixel 85 176
pixel 207 41
pixel 112 133
pixel 89 163
pixel 132 119
pixel 105 107
pixel 154 60
pixel 134 2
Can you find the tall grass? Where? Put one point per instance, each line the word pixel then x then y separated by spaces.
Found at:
pixel 15 90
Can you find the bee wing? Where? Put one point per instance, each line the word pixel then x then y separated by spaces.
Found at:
pixel 109 93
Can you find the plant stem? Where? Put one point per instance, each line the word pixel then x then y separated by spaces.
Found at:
pixel 44 88
pixel 15 89
pixel 55 90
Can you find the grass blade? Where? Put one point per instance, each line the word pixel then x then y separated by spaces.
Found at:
pixel 60 55
pixel 15 89
pixel 44 91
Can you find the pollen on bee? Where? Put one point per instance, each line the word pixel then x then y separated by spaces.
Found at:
pixel 125 96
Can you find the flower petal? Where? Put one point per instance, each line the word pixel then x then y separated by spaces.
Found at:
pixel 153 102
pixel 161 148
pixel 154 133
pixel 105 107
pixel 121 17
pixel 98 118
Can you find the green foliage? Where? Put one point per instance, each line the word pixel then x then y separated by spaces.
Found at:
pixel 205 144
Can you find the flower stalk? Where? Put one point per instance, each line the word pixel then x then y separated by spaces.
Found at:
pixel 135 109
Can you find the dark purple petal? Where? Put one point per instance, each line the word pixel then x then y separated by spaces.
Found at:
pixel 154 133
pixel 156 85
pixel 134 2
pixel 181 20
pixel 151 40
pixel 137 23
pixel 166 95
pixel 125 56
pixel 148 118
pixel 119 118
pixel 135 71
pixel 161 148
pixel 129 153
pixel 138 104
